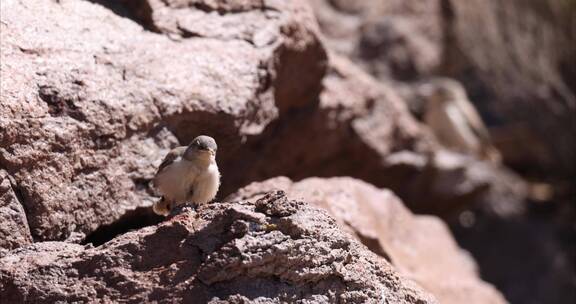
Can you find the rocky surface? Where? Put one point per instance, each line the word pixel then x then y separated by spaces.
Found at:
pixel 270 250
pixel 88 111
pixel 446 183
pixel 390 39
pixel 419 247
pixel 362 128
pixel 94 93
pixel 515 59
pixel 14 230
pixel 356 119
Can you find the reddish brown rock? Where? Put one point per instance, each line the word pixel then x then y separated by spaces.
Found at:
pixel 419 247
pixel 357 123
pixel 390 39
pixel 91 101
pixel 14 230
pixel 446 183
pixel 88 112
pixel 517 60
pixel 363 129
pixel 286 30
pixel 269 250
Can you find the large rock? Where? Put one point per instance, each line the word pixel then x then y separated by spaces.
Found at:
pixel 419 247
pixel 355 126
pixel 362 128
pixel 88 112
pixel 90 101
pixel 447 183
pixel 286 28
pixel 396 39
pixel 270 250
pixel 517 60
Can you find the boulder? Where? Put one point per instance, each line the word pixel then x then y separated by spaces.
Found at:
pixel 391 39
pixel 355 126
pixel 270 250
pixel 514 58
pixel 517 60
pixel 419 247
pixel 362 128
pixel 90 101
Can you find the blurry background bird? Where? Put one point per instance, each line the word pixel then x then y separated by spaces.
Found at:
pixel 454 120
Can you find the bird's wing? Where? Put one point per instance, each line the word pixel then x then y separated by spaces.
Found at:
pixel 170 157
pixel 474 120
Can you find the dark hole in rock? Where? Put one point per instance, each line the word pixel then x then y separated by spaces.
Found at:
pixel 138 11
pixel 374 245
pixel 131 220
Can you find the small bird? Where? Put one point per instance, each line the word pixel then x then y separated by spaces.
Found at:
pixel 188 175
pixel 455 121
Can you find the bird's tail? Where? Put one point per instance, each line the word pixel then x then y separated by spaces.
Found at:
pixel 162 207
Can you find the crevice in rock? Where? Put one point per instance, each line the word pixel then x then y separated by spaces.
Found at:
pixel 186 33
pixel 221 10
pixel 374 245
pixel 19 193
pixel 59 105
pixel 142 13
pixel 134 219
pixel 137 11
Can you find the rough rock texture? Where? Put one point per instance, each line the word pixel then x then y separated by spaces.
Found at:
pixel 396 39
pixel 88 111
pixel 14 230
pixel 90 101
pixel 93 93
pixel 356 120
pixel 419 247
pixel 271 250
pixel 286 28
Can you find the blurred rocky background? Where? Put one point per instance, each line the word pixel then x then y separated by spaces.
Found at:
pixel 355 166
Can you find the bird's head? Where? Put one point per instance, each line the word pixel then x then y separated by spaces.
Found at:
pixel 202 147
pixel 442 91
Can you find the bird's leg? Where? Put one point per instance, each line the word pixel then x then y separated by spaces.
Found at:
pixel 190 194
pixel 181 207
pixel 190 197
